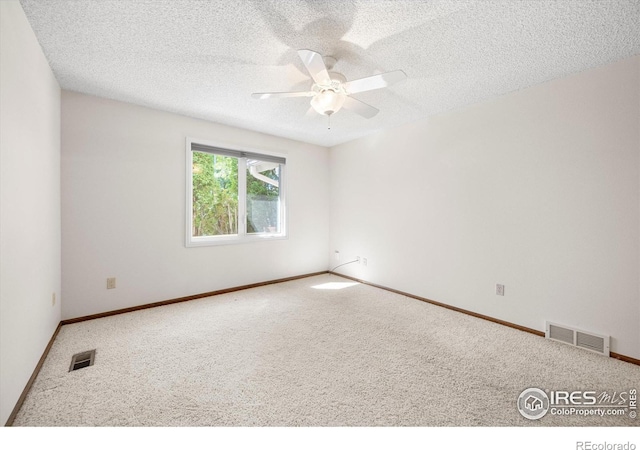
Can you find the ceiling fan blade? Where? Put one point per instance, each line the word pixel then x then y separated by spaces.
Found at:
pixel 263 95
pixel 358 107
pixel 315 65
pixel 374 82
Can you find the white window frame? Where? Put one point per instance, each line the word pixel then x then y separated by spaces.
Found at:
pixel 242 236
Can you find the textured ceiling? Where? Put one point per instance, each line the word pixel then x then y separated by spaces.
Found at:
pixel 205 58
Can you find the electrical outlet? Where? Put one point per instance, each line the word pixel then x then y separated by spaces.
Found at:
pixel 53 299
pixel 364 261
pixel 336 255
pixel 359 260
pixel 500 289
pixel 111 283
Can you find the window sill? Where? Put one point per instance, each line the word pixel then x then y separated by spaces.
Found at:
pixel 232 239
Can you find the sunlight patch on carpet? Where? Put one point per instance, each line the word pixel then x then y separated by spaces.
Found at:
pixel 335 285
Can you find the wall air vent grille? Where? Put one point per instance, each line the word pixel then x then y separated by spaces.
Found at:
pixel 584 339
pixel 590 342
pixel 561 334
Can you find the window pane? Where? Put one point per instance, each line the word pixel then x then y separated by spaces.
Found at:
pixel 215 194
pixel 263 197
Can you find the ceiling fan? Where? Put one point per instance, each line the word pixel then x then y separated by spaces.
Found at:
pixel 331 91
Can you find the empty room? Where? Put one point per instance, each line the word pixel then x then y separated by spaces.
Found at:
pixel 320 214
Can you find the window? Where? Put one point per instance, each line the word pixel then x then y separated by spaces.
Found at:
pixel 233 195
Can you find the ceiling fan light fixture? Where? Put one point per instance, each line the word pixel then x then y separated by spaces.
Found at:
pixel 327 102
pixel 331 91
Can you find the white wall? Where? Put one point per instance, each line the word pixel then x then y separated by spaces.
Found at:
pixel 537 190
pixel 30 204
pixel 123 209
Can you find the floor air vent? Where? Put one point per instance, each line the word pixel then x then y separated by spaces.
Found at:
pixel 80 360
pixel 590 341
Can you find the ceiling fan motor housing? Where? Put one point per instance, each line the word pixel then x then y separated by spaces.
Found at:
pixel 337 77
pixel 330 96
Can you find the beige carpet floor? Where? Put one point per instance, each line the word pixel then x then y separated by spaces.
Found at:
pixel 291 354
